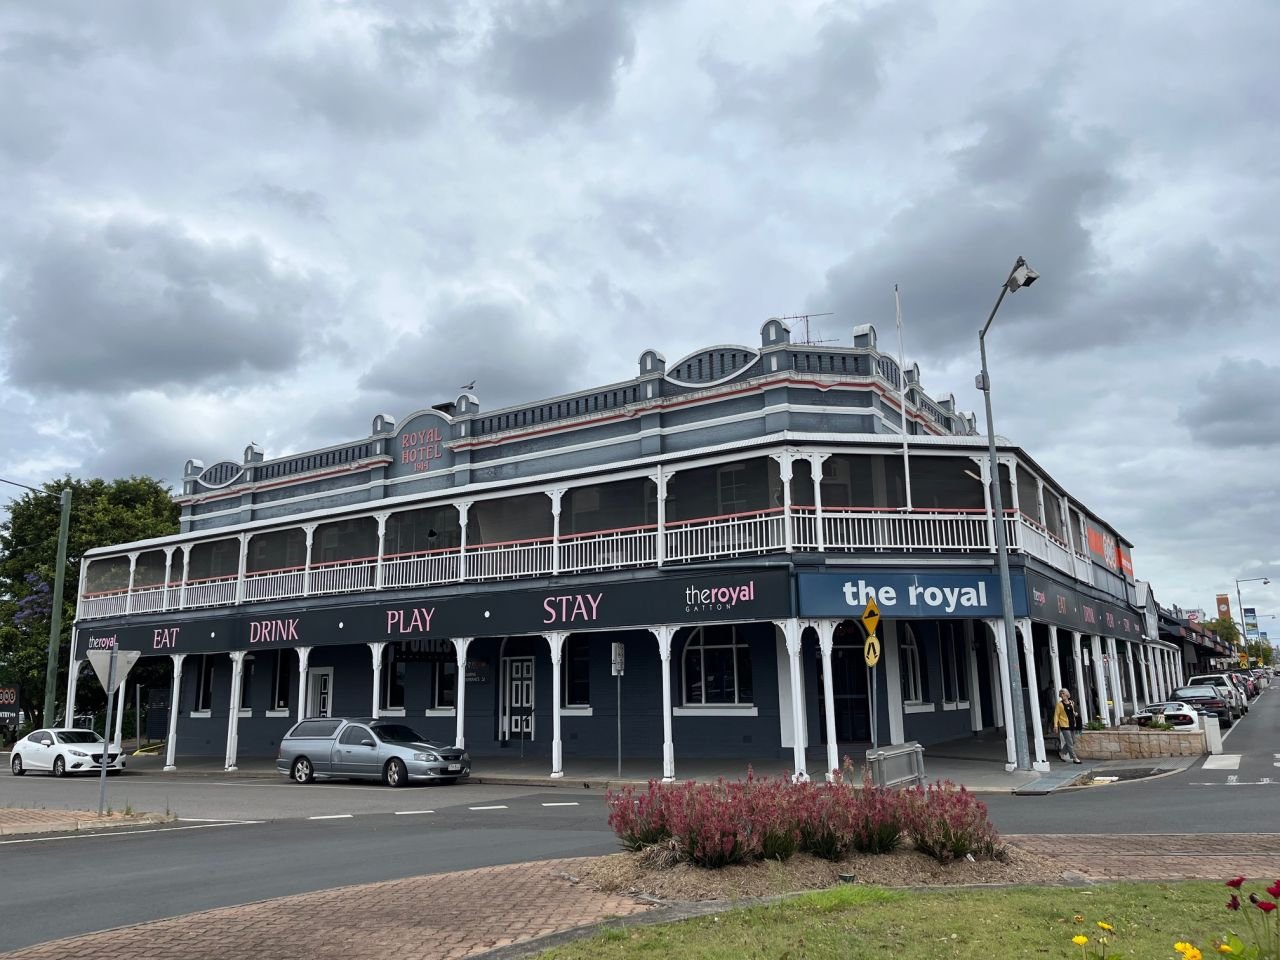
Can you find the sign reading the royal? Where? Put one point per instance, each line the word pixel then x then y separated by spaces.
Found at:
pixel 896 594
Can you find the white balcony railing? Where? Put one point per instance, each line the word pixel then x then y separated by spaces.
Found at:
pixel 836 530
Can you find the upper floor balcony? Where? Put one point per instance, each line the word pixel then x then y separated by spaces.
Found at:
pixel 725 508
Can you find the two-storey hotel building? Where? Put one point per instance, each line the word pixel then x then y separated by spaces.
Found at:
pixel 719 524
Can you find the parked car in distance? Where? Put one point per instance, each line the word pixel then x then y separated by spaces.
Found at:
pixel 367 749
pixel 1239 703
pixel 61 751
pixel 1176 713
pixel 1208 697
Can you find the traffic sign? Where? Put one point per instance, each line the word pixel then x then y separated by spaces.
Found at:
pixel 871 650
pixel 871 617
pixel 101 661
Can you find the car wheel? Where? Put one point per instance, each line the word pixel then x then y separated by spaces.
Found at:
pixel 59 767
pixel 301 771
pixel 394 773
pixel 15 765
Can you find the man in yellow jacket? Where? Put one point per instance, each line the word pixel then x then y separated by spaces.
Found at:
pixel 1066 721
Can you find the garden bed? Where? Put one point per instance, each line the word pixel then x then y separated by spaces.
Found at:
pixel 639 874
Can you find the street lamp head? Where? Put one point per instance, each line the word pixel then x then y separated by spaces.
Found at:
pixel 1022 276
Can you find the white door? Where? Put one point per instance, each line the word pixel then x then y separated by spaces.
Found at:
pixel 518 688
pixel 320 692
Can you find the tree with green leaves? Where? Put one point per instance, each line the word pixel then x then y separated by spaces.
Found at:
pixel 1226 630
pixel 102 513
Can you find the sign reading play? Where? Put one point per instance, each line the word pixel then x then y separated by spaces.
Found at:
pixel 898 594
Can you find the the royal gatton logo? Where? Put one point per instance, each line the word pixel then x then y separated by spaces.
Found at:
pixel 708 599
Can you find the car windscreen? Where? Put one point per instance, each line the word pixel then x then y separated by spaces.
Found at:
pixel 78 736
pixel 398 733
pixel 1185 692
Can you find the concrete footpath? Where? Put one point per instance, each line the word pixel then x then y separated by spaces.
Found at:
pixel 519 909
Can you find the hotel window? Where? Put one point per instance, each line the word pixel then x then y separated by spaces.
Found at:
pixel 246 683
pixel 732 485
pixel 717 667
pixel 915 687
pixel 575 672
pixel 446 686
pixel 953 654
pixel 280 670
pixel 204 683
pixel 393 670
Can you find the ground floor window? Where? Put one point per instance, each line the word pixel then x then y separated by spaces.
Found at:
pixel 280 670
pixel 446 686
pixel 246 682
pixel 717 667
pixel 393 675
pixel 953 655
pixel 204 683
pixel 575 672
pixel 915 687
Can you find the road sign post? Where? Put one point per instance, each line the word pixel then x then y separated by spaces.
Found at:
pixel 112 667
pixel 871 653
pixel 619 663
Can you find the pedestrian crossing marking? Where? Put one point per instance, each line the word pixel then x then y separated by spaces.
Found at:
pixel 1223 761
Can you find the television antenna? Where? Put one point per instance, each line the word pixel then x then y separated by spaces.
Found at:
pixel 808 340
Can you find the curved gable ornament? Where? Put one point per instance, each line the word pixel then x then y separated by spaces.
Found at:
pixel 222 474
pixel 712 366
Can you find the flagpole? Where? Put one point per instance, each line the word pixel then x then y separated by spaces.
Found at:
pixel 902 394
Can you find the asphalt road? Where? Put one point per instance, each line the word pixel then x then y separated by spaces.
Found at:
pixel 1224 799
pixel 265 843
pixel 60 886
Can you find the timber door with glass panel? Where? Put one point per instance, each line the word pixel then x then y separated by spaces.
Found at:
pixel 320 692
pixel 517 720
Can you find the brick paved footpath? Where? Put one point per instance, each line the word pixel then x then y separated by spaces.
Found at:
pixel 454 915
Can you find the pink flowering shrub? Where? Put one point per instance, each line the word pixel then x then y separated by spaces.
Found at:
pixel 725 822
pixel 949 823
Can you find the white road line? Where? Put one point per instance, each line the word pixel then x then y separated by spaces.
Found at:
pixel 570 803
pixel 126 833
pixel 334 816
pixel 210 820
pixel 410 813
pixel 497 807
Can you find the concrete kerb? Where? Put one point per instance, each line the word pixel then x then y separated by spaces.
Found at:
pixel 77 825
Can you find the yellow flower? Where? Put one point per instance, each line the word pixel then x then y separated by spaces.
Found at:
pixel 1106 926
pixel 1225 948
pixel 1079 918
pixel 1194 954
pixel 1079 940
pixel 1181 947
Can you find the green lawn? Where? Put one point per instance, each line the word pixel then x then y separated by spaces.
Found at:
pixel 877 922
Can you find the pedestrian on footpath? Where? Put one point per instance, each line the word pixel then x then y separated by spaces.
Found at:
pixel 1066 721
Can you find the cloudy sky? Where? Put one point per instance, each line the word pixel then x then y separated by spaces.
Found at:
pixel 241 221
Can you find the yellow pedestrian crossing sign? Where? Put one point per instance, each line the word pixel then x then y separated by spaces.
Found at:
pixel 871 650
pixel 871 617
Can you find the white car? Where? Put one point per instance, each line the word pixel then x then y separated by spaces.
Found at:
pixel 62 750
pixel 1177 713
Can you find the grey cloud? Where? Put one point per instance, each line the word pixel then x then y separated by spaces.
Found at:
pixel 356 98
pixel 303 204
pixel 819 93
pixel 559 57
pixel 646 225
pixel 1223 414
pixel 495 342
pixel 611 298
pixel 141 304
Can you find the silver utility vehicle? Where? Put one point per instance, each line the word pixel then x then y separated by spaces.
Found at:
pixel 366 749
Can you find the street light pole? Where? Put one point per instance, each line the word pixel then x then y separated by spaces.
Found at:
pixel 1244 630
pixel 1020 276
pixel 55 615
